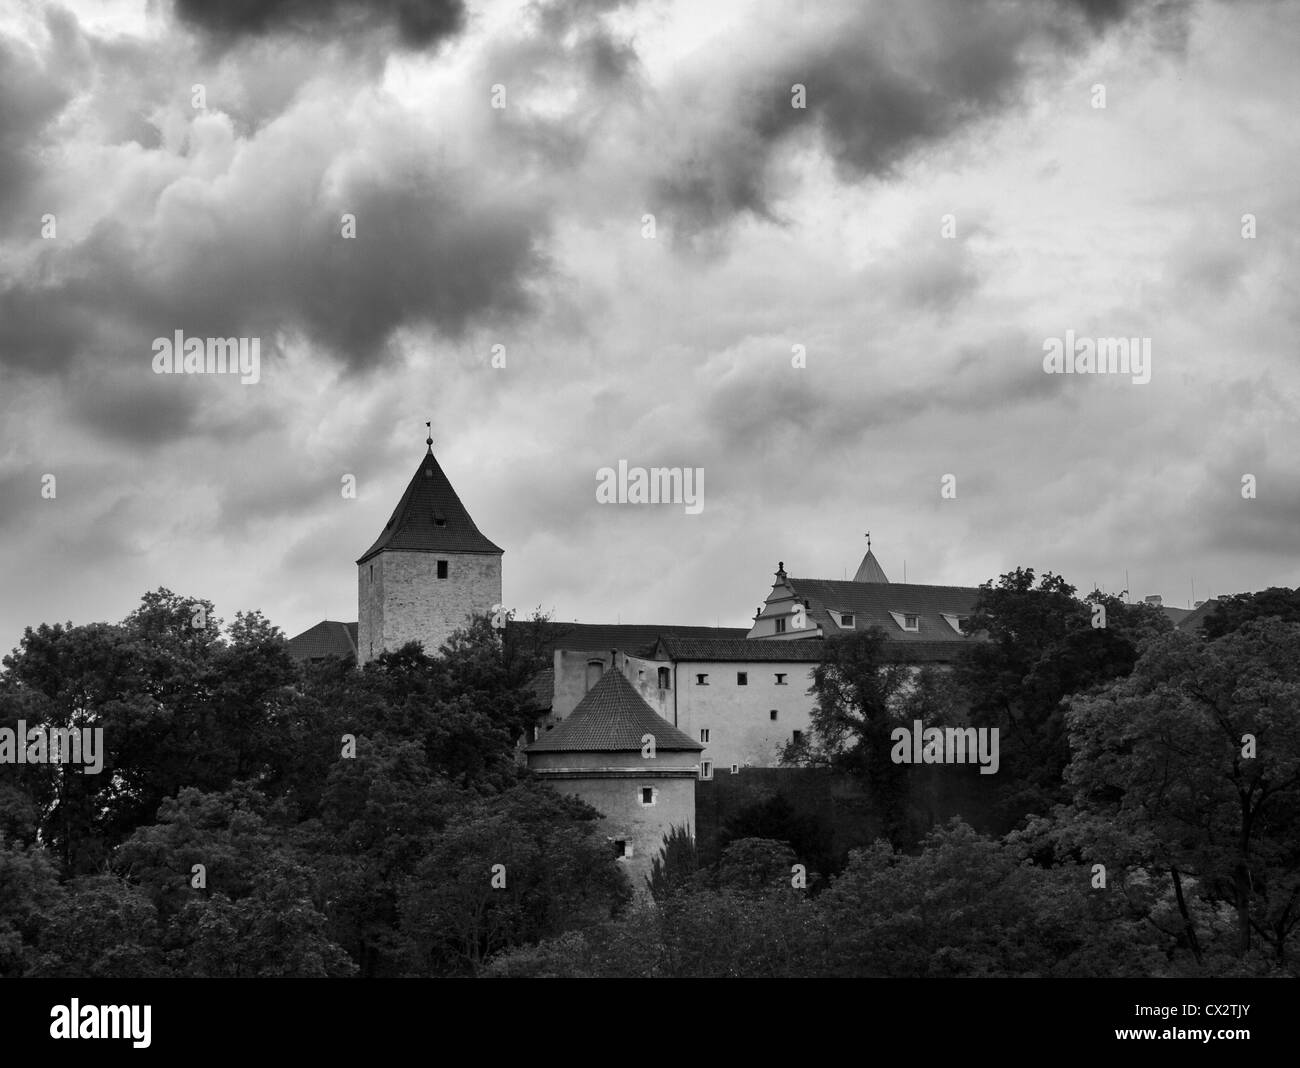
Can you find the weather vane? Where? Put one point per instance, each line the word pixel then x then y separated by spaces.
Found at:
pixel 429 440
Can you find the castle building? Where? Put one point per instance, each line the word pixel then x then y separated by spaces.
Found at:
pixel 429 570
pixel 630 764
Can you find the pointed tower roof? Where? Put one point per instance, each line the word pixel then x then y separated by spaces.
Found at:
pixel 613 717
pixel 430 518
pixel 870 570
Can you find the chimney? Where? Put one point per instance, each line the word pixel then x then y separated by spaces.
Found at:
pixel 1155 600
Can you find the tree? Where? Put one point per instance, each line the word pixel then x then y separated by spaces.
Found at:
pixel 1233 613
pixel 862 693
pixel 1194 761
pixel 1042 645
pixel 676 865
pixel 507 870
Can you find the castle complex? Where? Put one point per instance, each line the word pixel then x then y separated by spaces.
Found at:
pixel 713 699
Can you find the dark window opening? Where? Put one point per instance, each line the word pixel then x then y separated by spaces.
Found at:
pixel 647 795
pixel 774 714
pixel 780 626
pixel 780 678
pixel 701 680
pixel 620 847
pixel 442 568
pixel 798 736
pixel 665 679
pixel 742 678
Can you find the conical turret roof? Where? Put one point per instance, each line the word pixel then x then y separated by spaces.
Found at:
pixel 613 717
pixel 430 518
pixel 870 570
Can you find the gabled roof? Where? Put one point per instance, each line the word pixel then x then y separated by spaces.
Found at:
pixel 612 718
pixel 430 518
pixel 795 651
pixel 872 602
pixel 636 638
pixel 870 570
pixel 326 638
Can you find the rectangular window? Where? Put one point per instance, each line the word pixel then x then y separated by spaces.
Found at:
pixel 774 715
pixel 706 769
pixel 846 619
pixel 665 679
pixel 797 736
pixel 742 678
pixel 735 768
pixel 911 622
pixel 701 680
pixel 372 572
pixel 780 626
pixel 442 568
pixel 780 678
pixel 704 735
pixel 647 795
pixel 620 847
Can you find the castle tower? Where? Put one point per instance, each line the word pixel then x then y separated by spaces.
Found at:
pixel 599 753
pixel 428 571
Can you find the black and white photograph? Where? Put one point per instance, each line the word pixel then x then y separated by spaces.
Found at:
pixel 650 489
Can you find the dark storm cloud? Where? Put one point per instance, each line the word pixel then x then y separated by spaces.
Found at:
pixel 880 88
pixel 419 23
pixel 33 90
pixel 428 251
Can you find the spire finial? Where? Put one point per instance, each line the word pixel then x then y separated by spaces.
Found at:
pixel 868 541
pixel 780 570
pixel 429 440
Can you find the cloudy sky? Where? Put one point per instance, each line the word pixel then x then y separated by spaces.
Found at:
pixel 524 226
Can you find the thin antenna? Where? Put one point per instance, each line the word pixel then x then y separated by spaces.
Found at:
pixel 904 572
pixel 1127 588
pixel 1193 591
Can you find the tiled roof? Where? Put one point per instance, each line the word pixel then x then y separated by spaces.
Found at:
pixel 430 518
pixel 795 651
pixel 612 718
pixel 871 603
pixel 326 638
pixel 636 638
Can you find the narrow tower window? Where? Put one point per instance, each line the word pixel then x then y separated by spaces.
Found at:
pixel 442 568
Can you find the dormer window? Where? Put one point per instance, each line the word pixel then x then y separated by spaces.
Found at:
pixel 439 520
pixel 780 625
pixel 845 619
pixel 955 621
pixel 906 620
